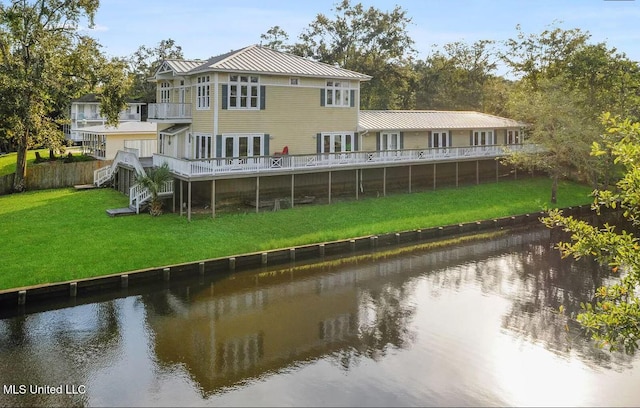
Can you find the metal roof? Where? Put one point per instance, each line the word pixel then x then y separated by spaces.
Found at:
pixel 431 119
pixel 263 60
pixel 180 66
pixel 174 129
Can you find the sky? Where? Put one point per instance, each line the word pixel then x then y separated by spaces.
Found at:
pixel 205 28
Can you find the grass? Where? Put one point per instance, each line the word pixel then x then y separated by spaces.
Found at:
pixel 8 161
pixel 59 235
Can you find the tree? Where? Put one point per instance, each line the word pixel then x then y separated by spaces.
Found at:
pixel 368 41
pixel 613 318
pixel 456 78
pixel 276 39
pixel 154 180
pixel 145 62
pixel 558 129
pixel 43 60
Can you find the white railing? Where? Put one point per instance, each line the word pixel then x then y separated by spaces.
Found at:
pixel 169 111
pixel 139 195
pixel 265 164
pixel 102 175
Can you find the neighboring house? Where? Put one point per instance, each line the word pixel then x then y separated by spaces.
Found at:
pixel 85 112
pixel 103 142
pixel 257 114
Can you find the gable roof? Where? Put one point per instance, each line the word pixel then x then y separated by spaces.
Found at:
pixel 179 66
pixel 430 119
pixel 263 60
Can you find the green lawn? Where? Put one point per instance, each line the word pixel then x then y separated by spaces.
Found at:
pixel 59 235
pixel 8 161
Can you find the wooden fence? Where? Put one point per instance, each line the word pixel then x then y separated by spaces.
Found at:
pixel 55 175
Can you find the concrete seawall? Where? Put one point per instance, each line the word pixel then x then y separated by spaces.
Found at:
pixel 19 297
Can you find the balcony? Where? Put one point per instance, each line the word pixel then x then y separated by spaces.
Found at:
pixel 169 112
pixel 242 166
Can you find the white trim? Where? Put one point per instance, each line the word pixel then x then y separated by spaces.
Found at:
pixel 248 98
pixel 216 103
pixel 337 139
pixel 203 99
pixel 386 142
pixel 442 138
pixel 483 137
pixel 235 138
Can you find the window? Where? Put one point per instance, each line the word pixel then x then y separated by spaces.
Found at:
pixel 294 81
pixel 439 138
pixel 482 138
pixel 244 92
pixel 336 142
pixel 202 97
pixel 390 141
pixel 337 93
pixel 243 145
pixel 513 137
pixel 203 146
pixel 165 92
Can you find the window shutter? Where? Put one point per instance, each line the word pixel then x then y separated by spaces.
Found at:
pixel 506 132
pixel 263 96
pixel 356 137
pixel 471 138
pixel 225 96
pixel 266 145
pixel 319 142
pixel 322 96
pixel 430 139
pixel 495 137
pixel 378 141
pixel 218 146
pixel 352 98
pixel 401 140
pixel 449 139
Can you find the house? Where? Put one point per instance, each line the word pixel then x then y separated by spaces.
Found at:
pixel 85 112
pixel 257 124
pixel 103 142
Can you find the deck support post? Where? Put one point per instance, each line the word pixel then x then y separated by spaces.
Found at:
pixel 181 198
pixel 293 185
pixel 257 194
pixel 213 199
pixel 434 176
pixel 174 196
pixel 329 186
pixel 189 201
pixel 357 192
pixel 409 179
pixel 457 174
pixel 384 181
pixel 477 171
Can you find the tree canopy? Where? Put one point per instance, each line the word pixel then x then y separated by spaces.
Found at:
pixel 44 62
pixel 613 318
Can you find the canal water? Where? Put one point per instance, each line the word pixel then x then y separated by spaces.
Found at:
pixel 471 323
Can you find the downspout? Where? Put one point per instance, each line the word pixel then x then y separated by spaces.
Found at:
pixel 215 105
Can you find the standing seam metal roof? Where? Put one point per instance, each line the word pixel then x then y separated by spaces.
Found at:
pixel 428 119
pixel 265 60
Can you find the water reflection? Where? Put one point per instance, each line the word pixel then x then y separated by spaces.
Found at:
pixel 417 326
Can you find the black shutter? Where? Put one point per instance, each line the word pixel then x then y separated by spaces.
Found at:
pixel 263 97
pixel 506 132
pixel 322 96
pixel 378 141
pixel 225 96
pixel 430 139
pixel 471 138
pixel 266 145
pixel 356 136
pixel 353 98
pixel 218 146
pixel 401 140
pixel 449 138
pixel 319 142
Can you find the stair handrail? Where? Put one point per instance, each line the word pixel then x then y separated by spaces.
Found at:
pixel 139 195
